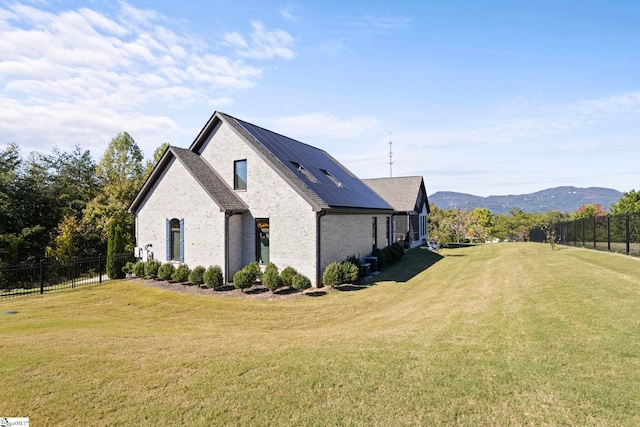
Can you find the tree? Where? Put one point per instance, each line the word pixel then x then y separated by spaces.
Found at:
pixel 157 155
pixel 481 224
pixel 115 246
pixel 629 202
pixel 589 211
pixel 120 172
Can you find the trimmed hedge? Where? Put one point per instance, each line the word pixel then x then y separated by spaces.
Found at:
pixel 213 278
pixel 151 268
pixel 242 280
pixel 253 270
pixel 196 276
pixel 270 278
pixel 300 282
pixel 287 276
pixel 181 274
pixel 338 273
pixel 138 269
pixel 165 271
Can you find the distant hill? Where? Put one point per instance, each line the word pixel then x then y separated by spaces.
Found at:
pixel 563 199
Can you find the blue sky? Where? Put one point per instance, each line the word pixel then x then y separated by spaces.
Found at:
pixel 487 98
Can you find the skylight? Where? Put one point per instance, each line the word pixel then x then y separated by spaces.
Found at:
pixel 304 172
pixel 332 178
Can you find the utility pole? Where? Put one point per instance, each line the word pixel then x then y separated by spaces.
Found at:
pixel 390 157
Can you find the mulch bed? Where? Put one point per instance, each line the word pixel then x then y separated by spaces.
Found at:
pixel 228 291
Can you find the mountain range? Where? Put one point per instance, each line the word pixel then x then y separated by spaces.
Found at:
pixel 563 199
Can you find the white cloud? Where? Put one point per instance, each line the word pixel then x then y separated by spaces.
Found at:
pixel 80 76
pixel 262 43
pixel 326 125
pixel 525 124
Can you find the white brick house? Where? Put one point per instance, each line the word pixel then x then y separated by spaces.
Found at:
pixel 242 193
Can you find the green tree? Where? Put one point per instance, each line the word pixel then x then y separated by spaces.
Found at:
pixel 115 246
pixel 480 226
pixel 120 173
pixel 157 155
pixel 629 202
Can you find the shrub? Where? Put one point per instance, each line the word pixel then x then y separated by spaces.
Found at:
pixel 349 272
pixel 300 281
pixel 242 280
pixel 151 268
pixel 115 246
pixel 355 261
pixel 166 271
pixel 138 269
pixel 270 278
pixel 213 277
pixel 287 276
pixel 181 274
pixel 332 275
pixel 196 276
pixel 397 251
pixel 253 270
pixel 128 268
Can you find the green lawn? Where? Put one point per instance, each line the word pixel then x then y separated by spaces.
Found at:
pixel 505 334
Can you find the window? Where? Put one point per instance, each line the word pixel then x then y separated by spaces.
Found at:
pixel 240 175
pixel 388 231
pixel 262 240
pixel 374 233
pixel 175 240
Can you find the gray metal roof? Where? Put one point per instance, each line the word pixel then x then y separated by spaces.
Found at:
pixel 312 171
pixel 402 193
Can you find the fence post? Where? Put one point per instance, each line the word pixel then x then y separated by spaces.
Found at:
pixel 595 223
pixel 100 268
pixel 627 231
pixel 583 232
pixel 609 232
pixel 73 272
pixel 41 276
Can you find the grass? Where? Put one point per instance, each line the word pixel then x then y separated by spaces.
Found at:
pixel 506 334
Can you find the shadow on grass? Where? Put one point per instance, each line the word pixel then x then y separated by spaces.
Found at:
pixel 358 286
pixel 317 293
pixel 414 262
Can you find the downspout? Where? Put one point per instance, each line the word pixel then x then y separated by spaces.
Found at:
pixel 319 215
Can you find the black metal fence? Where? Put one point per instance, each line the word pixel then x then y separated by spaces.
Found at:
pixel 51 275
pixel 613 233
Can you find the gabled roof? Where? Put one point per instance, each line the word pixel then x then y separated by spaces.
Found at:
pixel 312 172
pixel 210 181
pixel 404 194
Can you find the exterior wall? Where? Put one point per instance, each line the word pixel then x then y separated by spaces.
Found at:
pixel 344 235
pixel 292 225
pixel 177 195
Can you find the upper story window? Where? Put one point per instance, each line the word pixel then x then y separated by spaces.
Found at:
pixel 240 175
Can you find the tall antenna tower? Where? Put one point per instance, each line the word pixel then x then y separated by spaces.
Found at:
pixel 390 157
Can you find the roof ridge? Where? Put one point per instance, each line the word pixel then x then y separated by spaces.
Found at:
pixel 240 121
